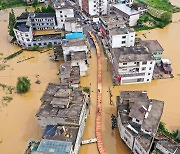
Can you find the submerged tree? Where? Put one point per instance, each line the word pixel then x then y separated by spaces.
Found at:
pixel 23 85
pixel 12 20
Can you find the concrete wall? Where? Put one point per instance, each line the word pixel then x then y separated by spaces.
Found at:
pixel 124 40
pixel 61 15
pixel 125 134
pixel 138 149
pixel 82 65
pixel 44 43
pixel 163 149
pixel 24 38
pixel 133 20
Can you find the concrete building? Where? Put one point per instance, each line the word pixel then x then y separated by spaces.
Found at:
pixel 138 120
pixel 71 25
pixel 131 65
pixel 155 48
pixel 74 45
pixel 141 7
pixel 67 108
pixel 130 15
pixel 58 52
pixel 114 30
pixel 62 13
pixel 70 74
pixel 63 105
pixel 166 145
pixel 27 22
pixel 94 7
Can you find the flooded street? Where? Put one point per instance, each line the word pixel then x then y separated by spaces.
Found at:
pixel 18 123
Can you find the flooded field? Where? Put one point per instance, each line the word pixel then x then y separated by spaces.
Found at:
pixel 17 118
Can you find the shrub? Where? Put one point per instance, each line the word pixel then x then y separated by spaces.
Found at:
pixel 23 85
pixel 86 90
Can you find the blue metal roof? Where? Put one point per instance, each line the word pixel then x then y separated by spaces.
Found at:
pixel 54 147
pixel 74 35
pixel 50 130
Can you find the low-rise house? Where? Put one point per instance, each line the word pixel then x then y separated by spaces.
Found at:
pixel 70 74
pixel 74 45
pixel 71 25
pixel 63 105
pixel 130 15
pixel 132 65
pixel 79 58
pixel 138 120
pixel 155 48
pixel 166 145
pixel 62 13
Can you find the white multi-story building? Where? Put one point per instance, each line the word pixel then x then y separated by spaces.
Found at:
pixel 62 13
pixel 132 65
pixel 94 7
pixel 130 15
pixel 114 30
pixel 138 120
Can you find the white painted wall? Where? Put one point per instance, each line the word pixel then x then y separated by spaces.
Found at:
pixel 133 20
pixel 118 40
pixel 61 15
pixel 137 147
pixel 82 65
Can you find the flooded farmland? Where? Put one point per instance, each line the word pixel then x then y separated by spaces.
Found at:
pixel 17 118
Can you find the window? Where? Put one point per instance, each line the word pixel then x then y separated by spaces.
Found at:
pixel 147 79
pixel 124 63
pixel 94 5
pixel 123 37
pixel 65 16
pixel 151 62
pixel 144 62
pixel 150 68
pixel 60 11
pixel 61 20
pixel 134 62
pixel 39 44
pixel 143 68
pixel 61 16
pixel 28 39
pixel 123 42
pixel 149 73
pixel 137 120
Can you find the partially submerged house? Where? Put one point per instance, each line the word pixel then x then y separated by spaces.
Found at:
pixel 138 120
pixel 131 65
pixel 70 74
pixel 58 52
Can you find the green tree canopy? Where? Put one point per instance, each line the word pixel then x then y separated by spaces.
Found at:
pixel 12 20
pixel 166 17
pixel 23 85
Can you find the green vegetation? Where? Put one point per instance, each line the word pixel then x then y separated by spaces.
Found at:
pixel 161 4
pixel 13 55
pixel 173 135
pixel 35 47
pixel 7 89
pixel 4 4
pixel 43 9
pixel 12 20
pixel 23 85
pixel 6 99
pixel 49 45
pixel 86 90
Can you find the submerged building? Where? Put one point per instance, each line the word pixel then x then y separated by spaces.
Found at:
pixel 138 120
pixel 131 65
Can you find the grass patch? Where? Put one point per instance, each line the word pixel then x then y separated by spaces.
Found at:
pixel 86 90
pixel 7 89
pixel 4 4
pixel 5 100
pixel 13 55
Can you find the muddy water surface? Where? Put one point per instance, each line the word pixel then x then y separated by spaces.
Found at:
pixel 18 123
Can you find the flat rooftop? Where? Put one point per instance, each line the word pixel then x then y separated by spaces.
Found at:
pixel 44 15
pixel 153 45
pixel 70 19
pixel 119 31
pixel 23 16
pixel 125 9
pixel 61 133
pixel 47 37
pixel 70 74
pixel 21 26
pixel 75 42
pixel 131 54
pixel 62 101
pixel 136 104
pixel 78 55
pixel 55 147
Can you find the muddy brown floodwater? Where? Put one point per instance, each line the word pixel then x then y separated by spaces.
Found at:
pixel 17 118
